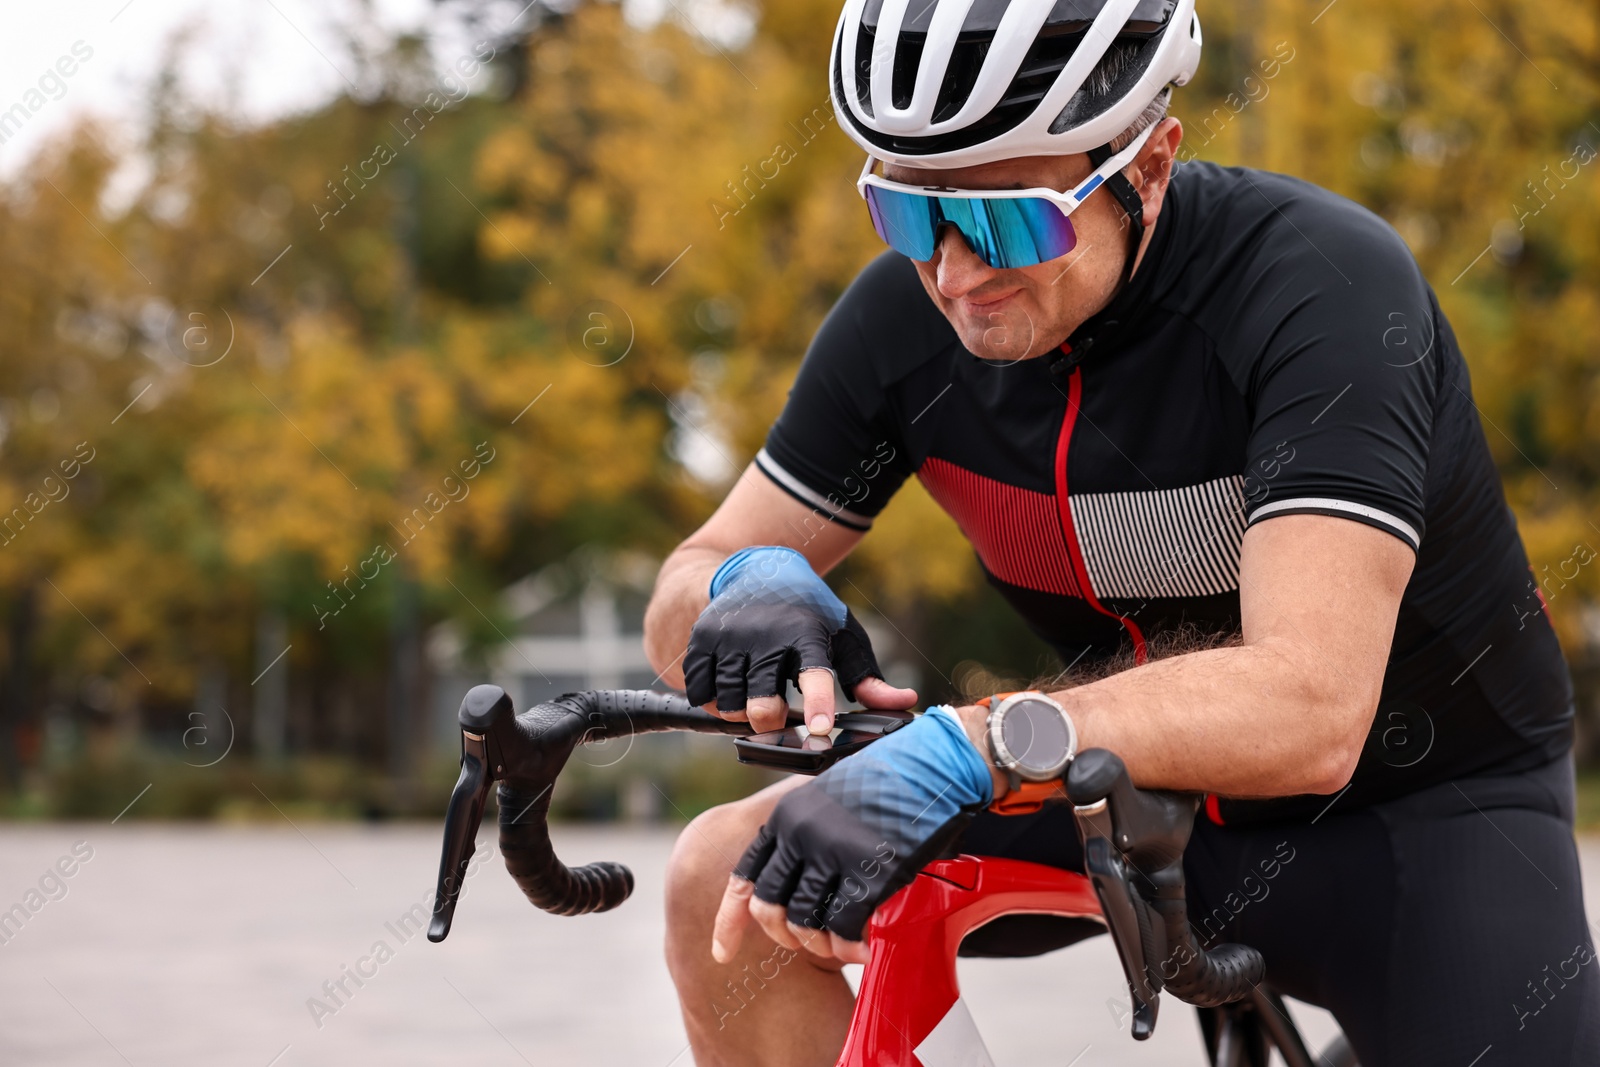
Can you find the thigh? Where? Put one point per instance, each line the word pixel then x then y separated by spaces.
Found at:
pixel 1492 955
pixel 1048 837
pixel 1315 899
pixel 1433 940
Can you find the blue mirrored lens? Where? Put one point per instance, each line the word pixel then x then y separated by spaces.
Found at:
pixel 1004 232
pixel 907 223
pixel 1011 232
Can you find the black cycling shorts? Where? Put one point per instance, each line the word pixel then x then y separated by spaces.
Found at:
pixel 1444 928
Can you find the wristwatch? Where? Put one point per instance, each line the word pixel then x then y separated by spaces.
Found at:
pixel 1032 741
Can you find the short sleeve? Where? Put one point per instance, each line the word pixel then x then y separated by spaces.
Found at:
pixel 837 446
pixel 1337 346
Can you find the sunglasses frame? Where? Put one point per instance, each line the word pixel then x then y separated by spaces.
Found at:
pixel 1066 202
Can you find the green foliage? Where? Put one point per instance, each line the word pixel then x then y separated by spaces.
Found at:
pixel 102 786
pixel 672 782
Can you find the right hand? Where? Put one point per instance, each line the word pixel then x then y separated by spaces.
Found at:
pixel 772 620
pixel 841 844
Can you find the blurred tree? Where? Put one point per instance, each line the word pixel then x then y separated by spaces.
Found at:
pixel 358 368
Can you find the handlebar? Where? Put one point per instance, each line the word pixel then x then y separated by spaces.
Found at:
pixel 1133 839
pixel 525 753
pixel 1133 842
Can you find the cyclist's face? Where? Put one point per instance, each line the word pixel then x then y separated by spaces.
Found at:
pixel 1025 312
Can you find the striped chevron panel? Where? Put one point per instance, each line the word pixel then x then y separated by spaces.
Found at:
pixel 1163 542
pixel 1158 543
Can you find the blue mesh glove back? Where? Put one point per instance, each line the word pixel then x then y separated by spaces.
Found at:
pixel 839 846
pixel 771 617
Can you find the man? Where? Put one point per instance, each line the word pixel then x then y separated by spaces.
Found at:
pixel 1216 398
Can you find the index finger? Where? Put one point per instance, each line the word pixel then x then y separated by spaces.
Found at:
pixel 733 915
pixel 816 691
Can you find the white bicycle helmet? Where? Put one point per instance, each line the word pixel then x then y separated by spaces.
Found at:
pixel 955 83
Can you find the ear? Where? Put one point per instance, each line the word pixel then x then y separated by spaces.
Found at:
pixel 1152 167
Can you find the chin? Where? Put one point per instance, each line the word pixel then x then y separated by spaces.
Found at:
pixel 1015 337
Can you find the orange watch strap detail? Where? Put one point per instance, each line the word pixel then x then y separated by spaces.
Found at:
pixel 1029 797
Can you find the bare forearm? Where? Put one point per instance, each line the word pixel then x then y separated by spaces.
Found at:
pixel 1288 710
pixel 681 594
pixel 1243 721
pixel 1252 720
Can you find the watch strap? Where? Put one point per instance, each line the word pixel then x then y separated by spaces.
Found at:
pixel 1025 798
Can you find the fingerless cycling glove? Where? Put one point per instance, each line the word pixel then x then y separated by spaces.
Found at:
pixel 770 618
pixel 839 846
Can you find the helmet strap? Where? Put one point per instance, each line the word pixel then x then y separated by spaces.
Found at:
pixel 1120 187
pixel 1077 347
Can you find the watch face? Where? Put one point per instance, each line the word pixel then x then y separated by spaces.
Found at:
pixel 1036 735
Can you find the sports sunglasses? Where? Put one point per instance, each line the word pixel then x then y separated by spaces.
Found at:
pixel 1004 227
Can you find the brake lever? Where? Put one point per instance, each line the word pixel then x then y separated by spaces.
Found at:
pixel 481 707
pixel 1130 833
pixel 1133 929
pixel 525 754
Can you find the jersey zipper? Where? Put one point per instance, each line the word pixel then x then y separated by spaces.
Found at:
pixel 1064 509
pixel 1069 533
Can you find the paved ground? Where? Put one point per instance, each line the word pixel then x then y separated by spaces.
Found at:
pixel 203 945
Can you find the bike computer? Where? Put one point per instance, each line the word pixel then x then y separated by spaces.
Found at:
pixel 797 750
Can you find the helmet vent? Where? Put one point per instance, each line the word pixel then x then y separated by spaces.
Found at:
pixel 907 58
pixel 864 38
pixel 1039 68
pixel 961 75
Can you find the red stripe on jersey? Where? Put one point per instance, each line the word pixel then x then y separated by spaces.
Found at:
pixel 1069 532
pixel 1015 531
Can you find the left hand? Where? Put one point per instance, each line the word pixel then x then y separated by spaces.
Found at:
pixel 838 846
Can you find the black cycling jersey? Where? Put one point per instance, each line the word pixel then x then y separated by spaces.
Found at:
pixel 1278 352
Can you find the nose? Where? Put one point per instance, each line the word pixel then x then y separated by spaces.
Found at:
pixel 959 269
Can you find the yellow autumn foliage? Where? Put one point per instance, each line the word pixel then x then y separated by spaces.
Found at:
pixel 637 246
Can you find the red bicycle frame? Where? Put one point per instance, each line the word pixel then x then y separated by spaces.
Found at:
pixel 909 1012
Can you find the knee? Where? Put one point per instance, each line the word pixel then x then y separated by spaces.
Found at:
pixel 697 873
pixel 702 859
